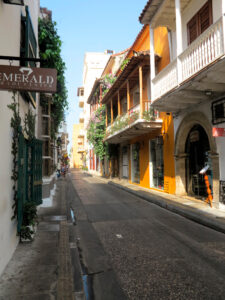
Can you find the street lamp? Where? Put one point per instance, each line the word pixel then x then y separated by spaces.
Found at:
pixel 15 2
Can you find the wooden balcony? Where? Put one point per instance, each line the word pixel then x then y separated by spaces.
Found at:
pixel 81 101
pixel 195 75
pixel 80 149
pixel 134 123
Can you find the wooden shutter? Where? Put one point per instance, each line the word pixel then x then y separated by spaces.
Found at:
pixel 205 17
pixel 200 22
pixel 192 29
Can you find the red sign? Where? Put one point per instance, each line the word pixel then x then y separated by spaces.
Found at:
pixel 28 79
pixel 218 132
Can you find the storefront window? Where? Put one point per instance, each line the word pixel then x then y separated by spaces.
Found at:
pixel 156 163
pixel 135 163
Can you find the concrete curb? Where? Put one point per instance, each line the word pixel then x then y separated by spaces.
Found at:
pixel 200 217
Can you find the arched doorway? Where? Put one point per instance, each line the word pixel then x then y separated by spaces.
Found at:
pixel 182 156
pixel 197 149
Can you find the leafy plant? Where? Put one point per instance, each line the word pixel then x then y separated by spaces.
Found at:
pixel 50 50
pixel 122 122
pixel 29 124
pixel 29 208
pixel 107 82
pixel 30 219
pixel 96 131
pixel 124 63
pixel 149 115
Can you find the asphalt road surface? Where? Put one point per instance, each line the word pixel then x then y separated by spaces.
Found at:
pixel 132 249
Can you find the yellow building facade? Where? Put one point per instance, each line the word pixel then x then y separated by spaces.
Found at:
pixel 78 153
pixel 146 142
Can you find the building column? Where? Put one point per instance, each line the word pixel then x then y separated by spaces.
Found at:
pixel 128 96
pixel 100 94
pixel 223 16
pixel 106 115
pixel 152 61
pixel 179 38
pixel 216 180
pixel 119 104
pixel 141 91
pixel 111 111
pixel 180 169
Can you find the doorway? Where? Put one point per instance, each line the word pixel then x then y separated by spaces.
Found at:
pixel 135 163
pixel 197 149
pixel 125 162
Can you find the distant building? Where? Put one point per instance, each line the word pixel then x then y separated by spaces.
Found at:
pixel 94 64
pixel 78 155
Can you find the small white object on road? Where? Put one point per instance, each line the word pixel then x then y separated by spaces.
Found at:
pixel 119 236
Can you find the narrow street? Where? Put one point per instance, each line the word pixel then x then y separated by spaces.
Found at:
pixel 132 249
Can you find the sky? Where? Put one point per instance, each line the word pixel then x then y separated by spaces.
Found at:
pixel 91 26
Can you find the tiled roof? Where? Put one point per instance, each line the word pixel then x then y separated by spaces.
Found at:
pixel 143 56
pixel 144 10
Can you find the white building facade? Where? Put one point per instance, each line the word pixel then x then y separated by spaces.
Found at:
pixel 192 87
pixel 94 64
pixel 14 21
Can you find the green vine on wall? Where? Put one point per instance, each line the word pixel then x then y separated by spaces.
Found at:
pixel 124 63
pixel 29 124
pixel 15 125
pixel 107 82
pixel 50 50
pixel 96 131
pixel 29 208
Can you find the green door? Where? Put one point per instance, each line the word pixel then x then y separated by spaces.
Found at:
pixel 22 178
pixel 29 174
pixel 36 158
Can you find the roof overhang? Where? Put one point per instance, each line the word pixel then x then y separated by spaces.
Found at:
pixel 207 85
pixel 161 13
pixel 95 86
pixel 138 128
pixel 139 59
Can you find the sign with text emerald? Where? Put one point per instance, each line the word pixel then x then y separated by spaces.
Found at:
pixel 28 79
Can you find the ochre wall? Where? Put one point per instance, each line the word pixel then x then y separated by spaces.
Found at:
pixel 142 42
pixel 162 49
pixel 76 157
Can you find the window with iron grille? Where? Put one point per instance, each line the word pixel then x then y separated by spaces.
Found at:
pixel 218 111
pixel 28 49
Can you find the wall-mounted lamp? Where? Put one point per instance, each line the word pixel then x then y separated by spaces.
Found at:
pixel 208 93
pixel 14 2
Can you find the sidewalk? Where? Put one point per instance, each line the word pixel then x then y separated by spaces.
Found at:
pixel 190 208
pixel 41 270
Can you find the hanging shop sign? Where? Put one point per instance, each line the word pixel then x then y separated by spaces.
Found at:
pixel 218 132
pixel 28 79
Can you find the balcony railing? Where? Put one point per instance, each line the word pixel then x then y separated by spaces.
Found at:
pixel 80 149
pixel 81 117
pixel 165 81
pixel 133 114
pixel 81 101
pixel 203 51
pixel 81 132
pixel 207 48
